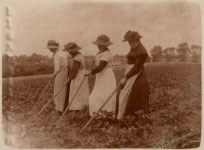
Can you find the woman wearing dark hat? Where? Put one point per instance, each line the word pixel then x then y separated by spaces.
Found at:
pixel 77 76
pixel 61 71
pixel 135 89
pixel 105 82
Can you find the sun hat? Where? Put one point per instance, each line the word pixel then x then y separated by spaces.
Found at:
pixel 71 47
pixel 131 35
pixel 52 44
pixel 103 40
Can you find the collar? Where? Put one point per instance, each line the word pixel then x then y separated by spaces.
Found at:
pixel 57 50
pixel 135 45
pixel 103 51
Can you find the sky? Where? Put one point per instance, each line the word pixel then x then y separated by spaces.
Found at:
pixel 160 23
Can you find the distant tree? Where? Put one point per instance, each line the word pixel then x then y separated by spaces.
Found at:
pixel 169 53
pixel 196 53
pixel 156 53
pixel 148 59
pixel 35 58
pixel 5 58
pixel 22 59
pixel 26 65
pixel 183 51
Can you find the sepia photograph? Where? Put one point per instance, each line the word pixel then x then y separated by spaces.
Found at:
pixel 101 74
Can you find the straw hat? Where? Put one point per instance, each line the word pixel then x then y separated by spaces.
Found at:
pixel 103 40
pixel 131 35
pixel 71 47
pixel 51 44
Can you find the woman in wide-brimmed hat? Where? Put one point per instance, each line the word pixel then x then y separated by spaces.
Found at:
pixel 135 90
pixel 105 82
pixel 60 65
pixel 77 76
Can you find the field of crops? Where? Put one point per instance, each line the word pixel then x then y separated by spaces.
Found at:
pixel 174 121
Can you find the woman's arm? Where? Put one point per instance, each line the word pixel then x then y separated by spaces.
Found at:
pixel 100 67
pixel 139 62
pixel 74 70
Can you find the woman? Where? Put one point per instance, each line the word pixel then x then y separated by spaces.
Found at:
pixel 77 77
pixel 105 82
pixel 135 90
pixel 60 71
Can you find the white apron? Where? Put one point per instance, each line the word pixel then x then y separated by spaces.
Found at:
pixel 105 84
pixel 123 98
pixel 60 63
pixel 81 99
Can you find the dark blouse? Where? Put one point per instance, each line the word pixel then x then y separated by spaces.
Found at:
pixel 100 67
pixel 75 67
pixel 136 56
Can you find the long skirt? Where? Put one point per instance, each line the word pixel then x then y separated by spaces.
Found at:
pixel 135 94
pixel 82 96
pixel 105 84
pixel 60 79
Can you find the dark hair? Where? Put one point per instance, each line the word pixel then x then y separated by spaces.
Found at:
pixel 56 44
pixel 138 40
